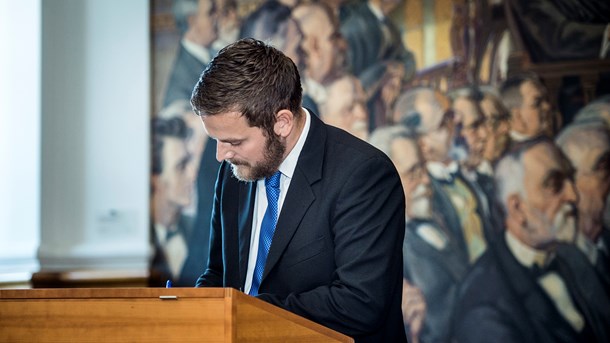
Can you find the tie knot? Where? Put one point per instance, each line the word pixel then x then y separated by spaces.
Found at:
pixel 273 180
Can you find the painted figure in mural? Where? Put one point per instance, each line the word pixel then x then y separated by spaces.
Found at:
pixel 174 169
pixel 403 150
pixel 441 243
pixel 325 49
pixel 274 23
pixel 520 290
pixel 372 37
pixel 345 107
pixel 471 139
pixel 527 102
pixel 496 119
pixel 197 22
pixel 597 110
pixel 560 30
pixel 428 113
pixel 433 264
pixel 228 24
pixel 587 146
pixel 332 224
pixel 382 83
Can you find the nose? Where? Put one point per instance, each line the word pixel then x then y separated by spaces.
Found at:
pixel 223 151
pixel 570 193
pixel 483 132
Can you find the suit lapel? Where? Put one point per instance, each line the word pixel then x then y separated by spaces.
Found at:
pixel 300 195
pixel 247 192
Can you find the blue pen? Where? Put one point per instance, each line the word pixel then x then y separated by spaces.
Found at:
pixel 168 284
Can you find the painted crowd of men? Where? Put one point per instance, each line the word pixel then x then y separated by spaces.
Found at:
pixel 507 215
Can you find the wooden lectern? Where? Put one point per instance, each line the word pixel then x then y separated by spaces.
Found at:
pixel 150 315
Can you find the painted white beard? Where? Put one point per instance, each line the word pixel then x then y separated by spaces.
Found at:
pixel 564 224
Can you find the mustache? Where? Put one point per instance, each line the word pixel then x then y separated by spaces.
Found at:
pixel 238 162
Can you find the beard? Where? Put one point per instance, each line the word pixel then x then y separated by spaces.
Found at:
pixel 420 204
pixel 272 158
pixel 559 229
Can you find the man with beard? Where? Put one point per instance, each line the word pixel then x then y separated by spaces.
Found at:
pixel 434 264
pixel 306 216
pixel 587 145
pixel 520 290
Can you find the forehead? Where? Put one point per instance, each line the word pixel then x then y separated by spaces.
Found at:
pixel 227 126
pixel 530 88
pixel 467 108
pixel 293 31
pixel 490 107
pixel 431 106
pixel 540 159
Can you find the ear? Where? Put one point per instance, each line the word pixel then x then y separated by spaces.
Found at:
pixel 515 208
pixel 284 123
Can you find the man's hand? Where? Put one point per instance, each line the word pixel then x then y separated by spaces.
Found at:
pixel 413 309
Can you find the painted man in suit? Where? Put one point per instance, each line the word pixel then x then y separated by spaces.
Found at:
pixel 527 102
pixel 520 290
pixel 345 107
pixel 197 21
pixel 471 136
pixel 496 120
pixel 428 113
pixel 174 167
pixel 433 263
pixel 326 241
pixel 325 48
pixel 440 246
pixel 587 145
pixel 373 38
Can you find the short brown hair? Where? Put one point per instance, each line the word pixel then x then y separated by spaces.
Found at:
pixel 252 78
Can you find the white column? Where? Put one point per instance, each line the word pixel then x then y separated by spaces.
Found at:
pixel 95 134
pixel 19 138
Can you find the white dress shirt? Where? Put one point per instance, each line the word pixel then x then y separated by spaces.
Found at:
pixel 260 203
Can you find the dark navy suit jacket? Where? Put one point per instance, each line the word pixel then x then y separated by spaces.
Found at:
pixel 336 252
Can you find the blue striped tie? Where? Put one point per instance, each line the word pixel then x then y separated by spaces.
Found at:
pixel 272 184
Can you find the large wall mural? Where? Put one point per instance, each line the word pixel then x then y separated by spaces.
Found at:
pixel 497 117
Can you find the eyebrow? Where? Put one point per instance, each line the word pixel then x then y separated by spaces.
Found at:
pixel 231 140
pixel 553 179
pixel 603 162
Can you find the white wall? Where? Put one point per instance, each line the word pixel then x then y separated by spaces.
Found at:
pixel 95 139
pixel 19 138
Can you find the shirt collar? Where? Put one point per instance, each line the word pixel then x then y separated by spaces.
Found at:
pixel 525 255
pixel 441 171
pixel 518 137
